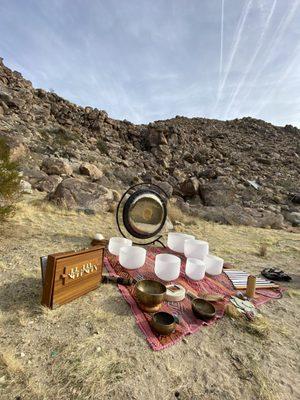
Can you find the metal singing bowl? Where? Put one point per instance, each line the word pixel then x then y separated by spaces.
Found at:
pixel 163 323
pixel 203 309
pixel 150 294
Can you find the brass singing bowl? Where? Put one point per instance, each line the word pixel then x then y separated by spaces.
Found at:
pixel 150 294
pixel 203 309
pixel 163 323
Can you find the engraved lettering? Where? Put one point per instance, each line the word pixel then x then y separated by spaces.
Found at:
pixel 85 269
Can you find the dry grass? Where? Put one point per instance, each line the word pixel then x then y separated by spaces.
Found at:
pixel 248 368
pixel 232 312
pixel 65 222
pixel 92 349
pixel 88 372
pixel 10 363
pixel 293 293
pixel 11 369
pixel 175 214
pixel 266 386
pixel 263 250
pixel 260 326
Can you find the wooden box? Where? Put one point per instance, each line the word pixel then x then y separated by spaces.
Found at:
pixel 71 275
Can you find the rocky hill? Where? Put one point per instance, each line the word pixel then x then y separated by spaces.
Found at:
pixel 244 171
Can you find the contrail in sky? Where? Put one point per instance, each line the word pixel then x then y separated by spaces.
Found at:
pixel 238 36
pixel 221 43
pixel 284 23
pixel 250 64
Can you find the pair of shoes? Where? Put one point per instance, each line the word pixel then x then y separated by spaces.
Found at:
pixel 275 274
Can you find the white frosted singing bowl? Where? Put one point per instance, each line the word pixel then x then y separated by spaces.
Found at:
pixel 213 264
pixel 132 257
pixel 176 241
pixel 195 248
pixel 195 269
pixel 167 267
pixel 115 243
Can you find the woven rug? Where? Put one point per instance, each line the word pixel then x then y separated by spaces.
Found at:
pixel 188 322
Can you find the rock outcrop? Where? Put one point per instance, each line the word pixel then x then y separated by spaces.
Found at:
pixel 82 195
pixel 240 171
pixel 56 166
pixel 90 170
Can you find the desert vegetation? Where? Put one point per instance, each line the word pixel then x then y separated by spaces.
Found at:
pixel 9 182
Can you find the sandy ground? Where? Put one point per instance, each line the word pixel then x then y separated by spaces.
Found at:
pixel 92 348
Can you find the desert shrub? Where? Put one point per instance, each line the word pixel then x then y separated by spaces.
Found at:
pixel 63 136
pixel 102 146
pixel 59 135
pixel 9 182
pixel 176 214
pixel 263 249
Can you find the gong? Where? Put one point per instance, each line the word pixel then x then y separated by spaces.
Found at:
pixel 142 213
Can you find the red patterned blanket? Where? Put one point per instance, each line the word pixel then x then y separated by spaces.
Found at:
pixel 188 322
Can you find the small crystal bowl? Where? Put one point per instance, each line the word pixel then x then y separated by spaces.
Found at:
pixel 195 269
pixel 115 243
pixel 167 267
pixel 214 264
pixel 196 248
pixel 132 257
pixel 176 241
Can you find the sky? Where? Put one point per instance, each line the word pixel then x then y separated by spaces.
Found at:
pixel 146 60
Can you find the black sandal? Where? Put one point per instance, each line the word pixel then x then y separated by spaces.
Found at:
pixel 275 274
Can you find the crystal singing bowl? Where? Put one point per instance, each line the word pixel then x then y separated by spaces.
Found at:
pixel 195 269
pixel 132 257
pixel 167 267
pixel 195 248
pixel 115 243
pixel 176 241
pixel 213 264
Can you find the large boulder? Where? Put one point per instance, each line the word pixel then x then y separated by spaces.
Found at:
pixel 189 187
pixel 217 193
pixel 90 170
pixel 232 215
pixel 7 98
pixel 156 137
pixel 25 187
pixel 294 198
pixel 17 149
pixel 261 218
pixel 34 175
pixel 48 184
pixel 293 218
pixel 235 214
pixel 270 219
pixel 77 194
pixel 56 166
pixel 165 186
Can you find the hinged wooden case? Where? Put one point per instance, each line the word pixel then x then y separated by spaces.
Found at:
pixel 71 275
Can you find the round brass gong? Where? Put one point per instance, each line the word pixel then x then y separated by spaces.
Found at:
pixel 142 212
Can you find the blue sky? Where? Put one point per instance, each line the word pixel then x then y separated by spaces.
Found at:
pixel 144 60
